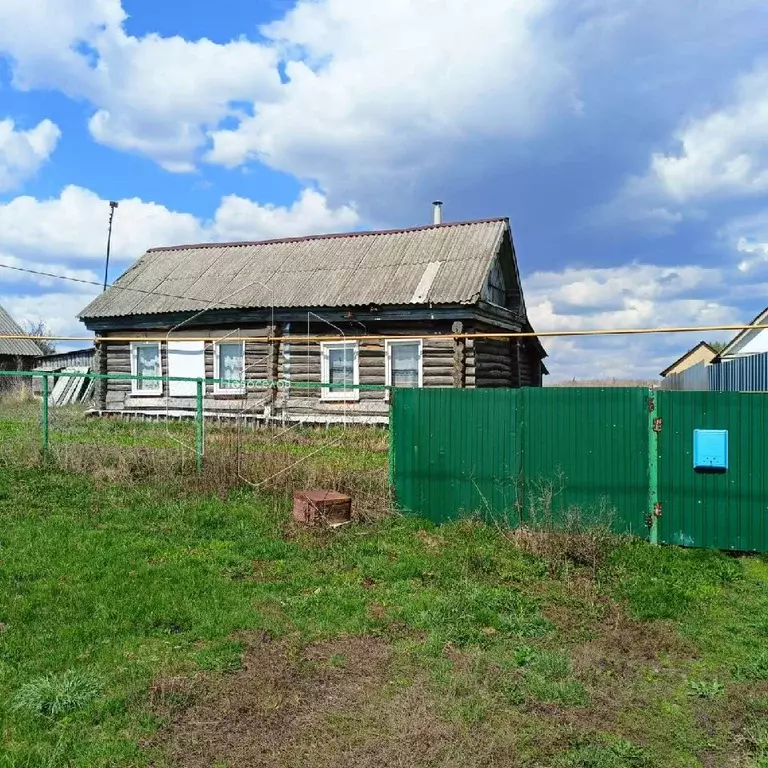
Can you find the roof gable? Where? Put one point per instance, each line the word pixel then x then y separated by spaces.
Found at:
pixel 743 337
pixel 15 347
pixel 702 345
pixel 438 264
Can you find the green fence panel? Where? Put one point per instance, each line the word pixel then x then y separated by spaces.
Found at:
pixel 587 448
pixel 501 451
pixel 726 510
pixel 456 452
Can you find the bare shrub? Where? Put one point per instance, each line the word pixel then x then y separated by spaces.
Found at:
pixel 565 536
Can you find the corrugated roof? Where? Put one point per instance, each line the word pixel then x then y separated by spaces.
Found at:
pixel 447 263
pixel 15 347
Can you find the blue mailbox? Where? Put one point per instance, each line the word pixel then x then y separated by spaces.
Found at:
pixel 710 449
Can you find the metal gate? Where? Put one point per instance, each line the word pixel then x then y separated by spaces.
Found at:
pixel 713 509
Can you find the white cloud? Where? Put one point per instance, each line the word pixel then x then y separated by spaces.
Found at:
pixel 238 218
pixel 380 93
pixel 724 152
pixel 23 152
pixel 66 234
pixel 57 309
pixel 371 85
pixel 74 225
pixel 748 237
pixel 152 95
pixel 22 272
pixel 721 154
pixel 633 296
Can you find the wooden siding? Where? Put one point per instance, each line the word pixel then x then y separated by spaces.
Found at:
pixel 496 363
pixel 445 363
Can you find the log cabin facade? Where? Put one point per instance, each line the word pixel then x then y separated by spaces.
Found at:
pixel 314 329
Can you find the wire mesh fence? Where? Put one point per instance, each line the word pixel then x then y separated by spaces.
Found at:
pixel 190 448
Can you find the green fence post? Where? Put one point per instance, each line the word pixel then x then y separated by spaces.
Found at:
pixel 199 426
pixel 44 420
pixel 653 469
pixel 391 457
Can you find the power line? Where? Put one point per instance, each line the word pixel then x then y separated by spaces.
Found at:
pixel 444 336
pixel 99 285
pixel 380 337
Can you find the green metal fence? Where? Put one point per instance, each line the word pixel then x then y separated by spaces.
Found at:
pixel 507 454
pixel 719 510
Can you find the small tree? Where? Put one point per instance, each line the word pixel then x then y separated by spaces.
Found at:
pixel 39 329
pixel 718 346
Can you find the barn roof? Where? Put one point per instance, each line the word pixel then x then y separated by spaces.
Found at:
pixel 15 347
pixel 438 264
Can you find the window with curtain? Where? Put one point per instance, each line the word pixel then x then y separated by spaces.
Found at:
pixel 230 374
pixel 404 363
pixel 340 369
pixel 145 361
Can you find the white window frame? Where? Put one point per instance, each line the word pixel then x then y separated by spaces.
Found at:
pixel 388 344
pixel 326 393
pixel 157 389
pixel 217 388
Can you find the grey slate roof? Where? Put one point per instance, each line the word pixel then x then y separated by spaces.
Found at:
pixel 440 264
pixel 15 347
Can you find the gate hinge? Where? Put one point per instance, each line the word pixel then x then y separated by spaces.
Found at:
pixel 651 405
pixel 657 424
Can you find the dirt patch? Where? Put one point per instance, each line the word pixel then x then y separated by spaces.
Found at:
pixel 621 644
pixel 337 703
pixel 292 706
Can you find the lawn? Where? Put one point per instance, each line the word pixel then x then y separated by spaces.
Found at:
pixel 142 626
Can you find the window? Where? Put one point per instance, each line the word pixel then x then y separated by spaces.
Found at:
pixel 340 370
pixel 495 290
pixel 404 363
pixel 230 368
pixel 145 361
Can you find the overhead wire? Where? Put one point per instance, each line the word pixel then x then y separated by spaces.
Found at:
pixel 362 338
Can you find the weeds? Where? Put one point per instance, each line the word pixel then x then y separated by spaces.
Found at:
pixel 567 538
pixel 705 689
pixel 755 668
pixel 266 459
pixel 57 695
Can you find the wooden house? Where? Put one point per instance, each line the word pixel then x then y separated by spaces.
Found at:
pixel 15 354
pixel 701 353
pixel 314 328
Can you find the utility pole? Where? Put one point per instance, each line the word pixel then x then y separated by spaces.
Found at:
pixel 112 206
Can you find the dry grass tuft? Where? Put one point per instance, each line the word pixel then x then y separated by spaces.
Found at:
pixel 569 537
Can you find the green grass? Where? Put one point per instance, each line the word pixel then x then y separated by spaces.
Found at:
pixel 107 589
pixel 350 447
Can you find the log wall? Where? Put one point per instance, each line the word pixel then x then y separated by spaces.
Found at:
pixel 445 363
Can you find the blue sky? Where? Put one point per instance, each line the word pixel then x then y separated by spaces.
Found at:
pixel 627 140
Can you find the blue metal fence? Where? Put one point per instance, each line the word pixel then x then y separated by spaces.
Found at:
pixel 744 374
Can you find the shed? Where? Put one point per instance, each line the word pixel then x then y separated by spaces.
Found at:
pixel 15 354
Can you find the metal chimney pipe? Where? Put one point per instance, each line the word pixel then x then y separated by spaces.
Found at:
pixel 437 208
